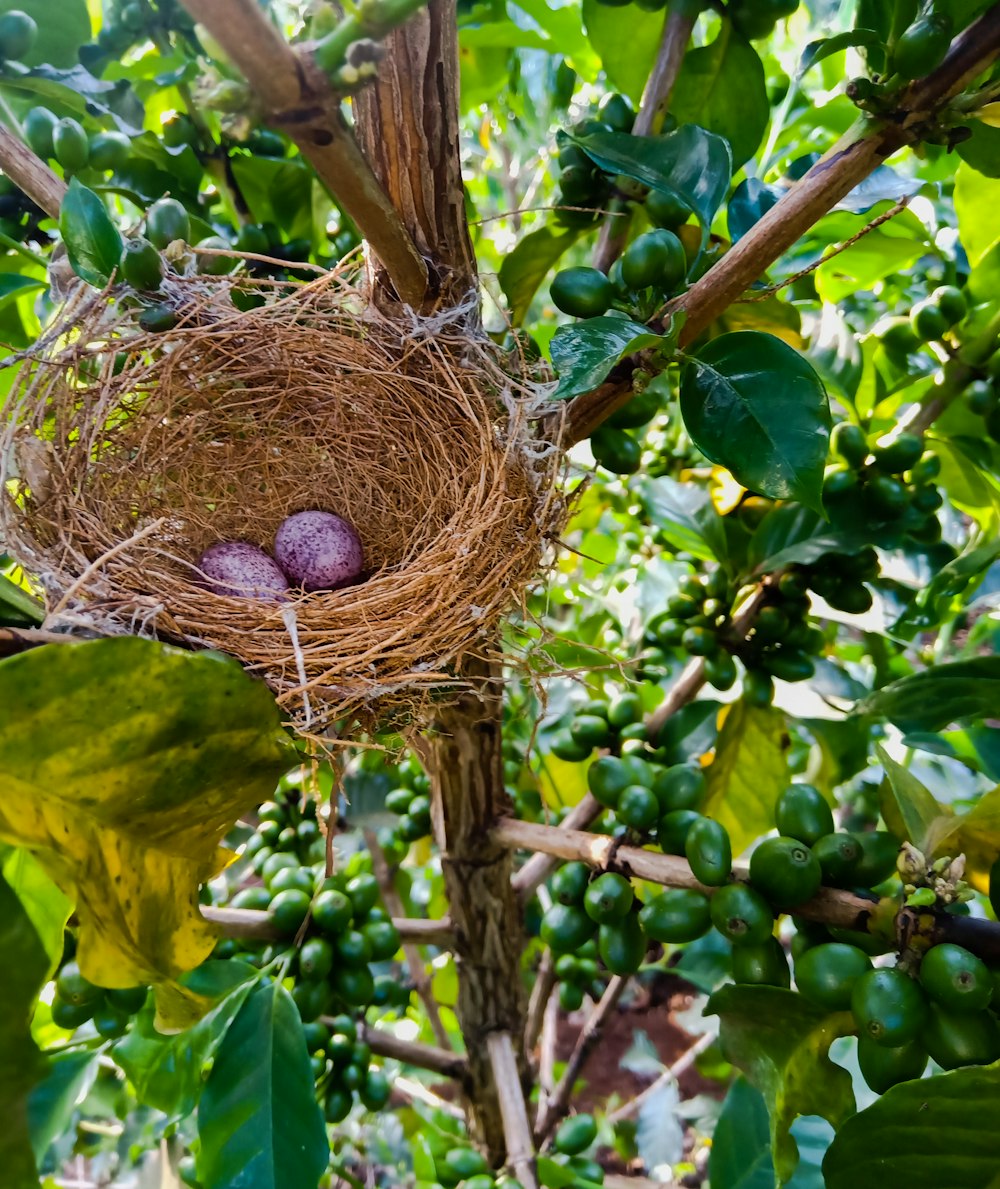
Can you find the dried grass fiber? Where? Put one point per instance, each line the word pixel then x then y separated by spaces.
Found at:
pixel 133 452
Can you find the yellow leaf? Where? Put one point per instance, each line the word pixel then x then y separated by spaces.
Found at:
pixel 975 834
pixel 990 114
pixel 124 763
pixel 749 772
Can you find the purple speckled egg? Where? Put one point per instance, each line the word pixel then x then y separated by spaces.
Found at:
pixel 239 569
pixel 318 551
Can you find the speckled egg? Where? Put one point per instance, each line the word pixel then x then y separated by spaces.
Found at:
pixel 319 551
pixel 240 569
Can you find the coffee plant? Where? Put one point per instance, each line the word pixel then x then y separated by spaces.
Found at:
pixel 700 884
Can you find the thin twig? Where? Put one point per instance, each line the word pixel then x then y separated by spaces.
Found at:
pixel 516 1129
pixel 547 1056
pixel 671 1074
pixel 649 119
pixel 541 992
pixel 297 99
pixel 557 1105
pixel 416 1091
pixel 414 960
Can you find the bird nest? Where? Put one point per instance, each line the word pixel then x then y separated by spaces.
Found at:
pixel 126 454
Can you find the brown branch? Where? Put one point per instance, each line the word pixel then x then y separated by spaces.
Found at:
pixel 296 98
pixel 649 119
pixel 539 867
pixel 847 164
pixel 253 925
pixel 671 1074
pixel 830 905
pixel 516 1129
pixel 555 1107
pixel 414 961
pixel 541 992
pixel 13 640
pixel 411 1052
pixel 41 184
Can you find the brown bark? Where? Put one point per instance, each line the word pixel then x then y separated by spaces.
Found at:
pixel 407 125
pixel 462 755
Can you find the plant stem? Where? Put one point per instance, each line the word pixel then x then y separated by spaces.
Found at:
pixel 14 246
pixel 411 1052
pixel 671 1074
pixel 297 99
pixel 539 867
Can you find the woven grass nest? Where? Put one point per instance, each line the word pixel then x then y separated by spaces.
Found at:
pixel 134 452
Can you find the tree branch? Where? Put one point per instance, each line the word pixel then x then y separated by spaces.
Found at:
pixel 847 164
pixel 41 184
pixel 553 1109
pixel 411 1052
pixel 671 1074
pixel 253 925
pixel 516 1129
pixel 296 98
pixel 541 991
pixel 540 866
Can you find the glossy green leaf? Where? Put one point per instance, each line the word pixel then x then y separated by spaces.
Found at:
pixel 17 607
pixel 740 1157
pixel 13 286
pixel 865 263
pixel 721 87
pixel 755 406
pixel 258 1120
pixel 749 772
pixel 931 1133
pixel 278 191
pixel 124 762
pixel 584 354
pixel 627 48
pixel 781 1042
pixel 524 269
pixel 976 200
pixel 686 516
pixel 932 600
pixel 933 698
pixel 751 200
pixel 25 968
pixel 53 1099
pixel 168 1072
pixel 691 163
pixel 93 243
pixel 790 534
pixel 906 804
pixel 982 150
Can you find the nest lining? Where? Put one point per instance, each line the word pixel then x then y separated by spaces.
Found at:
pixel 135 452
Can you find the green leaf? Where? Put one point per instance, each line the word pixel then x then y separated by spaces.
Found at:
pixel 277 191
pixel 168 1071
pixel 929 606
pixel 53 1100
pixel 982 150
pixel 722 88
pixel 791 534
pixel 583 354
pixel 934 698
pixel 59 36
pixel 740 1157
pixel 749 772
pixel 26 966
pixel 906 803
pixel 690 163
pixel 47 907
pixel 782 1042
pixel 92 241
pixel 976 199
pixel 751 200
pixel 124 763
pixel 925 1134
pixel 627 48
pixel 524 269
pixel 816 51
pixel 863 264
pixel 752 404
pixel 13 286
pixel 686 516
pixel 258 1121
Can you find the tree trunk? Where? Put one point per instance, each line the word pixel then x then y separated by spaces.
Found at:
pixel 463 756
pixel 407 125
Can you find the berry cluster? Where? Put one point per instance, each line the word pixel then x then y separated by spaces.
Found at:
pixel 77 1001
